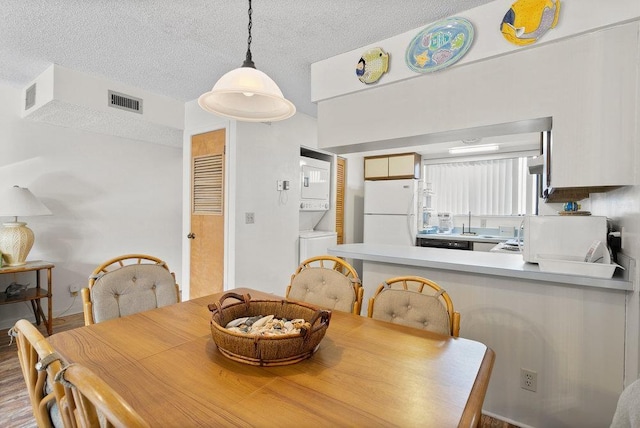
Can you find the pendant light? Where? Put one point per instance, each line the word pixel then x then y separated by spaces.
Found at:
pixel 247 94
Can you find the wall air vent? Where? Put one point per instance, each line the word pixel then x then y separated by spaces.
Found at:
pixel 73 99
pixel 30 97
pixel 125 102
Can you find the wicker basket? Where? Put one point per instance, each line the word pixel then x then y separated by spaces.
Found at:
pixel 267 350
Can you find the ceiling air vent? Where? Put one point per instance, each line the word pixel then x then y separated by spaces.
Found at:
pixel 125 102
pixel 30 97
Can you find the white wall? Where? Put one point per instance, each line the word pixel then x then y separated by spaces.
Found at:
pixel 267 251
pixel 622 206
pixel 109 196
pixel 568 81
pixel 335 77
pixel 262 255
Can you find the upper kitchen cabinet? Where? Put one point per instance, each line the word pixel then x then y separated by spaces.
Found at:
pixel 392 167
pixel 376 167
pixel 594 136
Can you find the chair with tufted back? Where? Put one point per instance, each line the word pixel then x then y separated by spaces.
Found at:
pixel 126 285
pixel 40 364
pixel 327 281
pixel 415 302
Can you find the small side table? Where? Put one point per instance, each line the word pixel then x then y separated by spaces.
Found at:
pixel 33 294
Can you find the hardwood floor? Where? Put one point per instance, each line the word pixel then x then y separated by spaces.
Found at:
pixel 14 401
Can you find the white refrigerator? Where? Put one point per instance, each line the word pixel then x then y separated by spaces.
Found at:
pixel 390 211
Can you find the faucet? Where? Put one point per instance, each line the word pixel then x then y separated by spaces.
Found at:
pixel 469 232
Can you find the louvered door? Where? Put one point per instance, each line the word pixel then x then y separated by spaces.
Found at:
pixel 340 189
pixel 207 213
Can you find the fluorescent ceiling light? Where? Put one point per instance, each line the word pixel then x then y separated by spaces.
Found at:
pixel 474 149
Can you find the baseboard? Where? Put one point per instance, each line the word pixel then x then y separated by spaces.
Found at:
pixel 26 313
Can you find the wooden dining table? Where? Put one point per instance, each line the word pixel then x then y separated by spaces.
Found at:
pixel 365 372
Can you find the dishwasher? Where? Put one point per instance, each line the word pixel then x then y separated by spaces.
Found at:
pixel 452 244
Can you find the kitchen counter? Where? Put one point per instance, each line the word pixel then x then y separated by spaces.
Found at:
pixel 560 326
pixel 480 263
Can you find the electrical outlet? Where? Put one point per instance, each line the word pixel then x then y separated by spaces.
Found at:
pixel 249 218
pixel 483 223
pixel 528 380
pixel 279 185
pixel 74 289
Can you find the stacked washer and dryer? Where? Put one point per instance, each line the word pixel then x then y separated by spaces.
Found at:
pixel 315 185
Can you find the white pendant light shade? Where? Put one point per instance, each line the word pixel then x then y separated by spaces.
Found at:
pixel 249 95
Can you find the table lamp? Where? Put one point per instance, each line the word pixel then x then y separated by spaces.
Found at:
pixel 16 239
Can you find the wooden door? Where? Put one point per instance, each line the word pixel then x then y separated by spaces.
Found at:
pixel 340 189
pixel 207 213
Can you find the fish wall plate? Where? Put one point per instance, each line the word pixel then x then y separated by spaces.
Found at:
pixel 528 20
pixel 372 65
pixel 439 45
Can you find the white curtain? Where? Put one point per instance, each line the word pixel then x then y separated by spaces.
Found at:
pixel 488 187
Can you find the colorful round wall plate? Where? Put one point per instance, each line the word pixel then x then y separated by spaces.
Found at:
pixel 528 20
pixel 439 45
pixel 372 65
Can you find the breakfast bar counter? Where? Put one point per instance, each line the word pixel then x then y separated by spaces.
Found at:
pixel 561 327
pixel 476 262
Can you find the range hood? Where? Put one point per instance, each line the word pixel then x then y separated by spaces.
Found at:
pixel 68 98
pixel 570 194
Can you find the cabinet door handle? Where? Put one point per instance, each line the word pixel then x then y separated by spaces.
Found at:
pixel 191 236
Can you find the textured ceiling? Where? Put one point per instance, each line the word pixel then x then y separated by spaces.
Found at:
pixel 179 48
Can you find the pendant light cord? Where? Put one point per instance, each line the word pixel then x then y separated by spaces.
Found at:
pixel 248 62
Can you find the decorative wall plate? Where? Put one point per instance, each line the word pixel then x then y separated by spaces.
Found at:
pixel 372 65
pixel 528 20
pixel 439 45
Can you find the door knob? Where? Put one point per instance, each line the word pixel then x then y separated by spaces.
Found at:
pixel 191 236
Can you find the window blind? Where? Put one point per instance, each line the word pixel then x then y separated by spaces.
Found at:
pixel 487 187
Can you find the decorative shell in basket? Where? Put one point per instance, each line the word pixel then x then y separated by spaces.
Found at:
pixel 290 345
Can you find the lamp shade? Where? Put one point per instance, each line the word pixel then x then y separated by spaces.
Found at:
pixel 249 95
pixel 20 202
